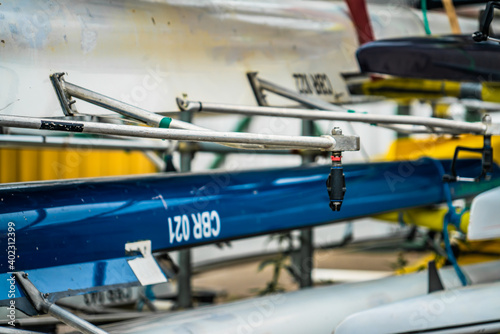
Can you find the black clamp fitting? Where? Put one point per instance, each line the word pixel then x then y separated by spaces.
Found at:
pixel 335 183
pixel 484 28
pixel 486 162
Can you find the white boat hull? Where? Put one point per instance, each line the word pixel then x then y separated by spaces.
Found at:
pixel 472 309
pixel 147 53
pixel 317 310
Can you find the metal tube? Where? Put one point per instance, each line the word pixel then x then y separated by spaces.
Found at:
pixel 463 127
pixel 306 251
pixel 308 101
pixel 73 321
pixel 156 160
pixel 6 330
pixel 264 141
pixel 414 129
pixel 128 110
pixel 184 288
pixel 306 257
pixel 82 143
pixel 112 104
pixel 42 305
pixel 37 141
pixel 258 85
pixel 217 148
pixel 125 109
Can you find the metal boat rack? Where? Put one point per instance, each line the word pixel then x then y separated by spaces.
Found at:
pixel 168 126
pixel 159 127
pixel 432 124
pixel 162 127
pixel 399 123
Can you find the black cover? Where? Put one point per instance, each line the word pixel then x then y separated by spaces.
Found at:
pixel 431 4
pixel 456 58
pixel 435 283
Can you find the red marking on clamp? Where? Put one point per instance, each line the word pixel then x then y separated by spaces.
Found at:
pixel 336 158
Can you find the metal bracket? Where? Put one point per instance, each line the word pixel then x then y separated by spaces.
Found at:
pixel 345 143
pixel 42 305
pixel 484 27
pixel 67 103
pixel 186 105
pixel 261 85
pixel 146 269
pixel 486 164
pixel 257 88
pixel 39 301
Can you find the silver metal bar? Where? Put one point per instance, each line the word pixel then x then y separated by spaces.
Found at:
pixel 465 179
pixel 184 277
pixel 257 88
pixel 290 94
pixel 416 129
pixel 305 254
pixel 156 160
pixel 67 104
pixel 258 85
pixel 122 108
pixel 126 109
pixel 217 148
pixel 39 141
pixel 42 305
pixel 6 330
pixel 457 126
pixel 470 103
pixel 329 143
pixel 83 143
pixel 489 38
pixel 73 321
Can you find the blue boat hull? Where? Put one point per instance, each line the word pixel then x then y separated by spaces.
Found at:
pixel 85 224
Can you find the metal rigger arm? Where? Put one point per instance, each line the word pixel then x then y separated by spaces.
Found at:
pixel 43 306
pixel 166 128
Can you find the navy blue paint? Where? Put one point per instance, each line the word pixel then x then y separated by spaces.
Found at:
pixel 457 58
pixel 92 220
pixel 100 273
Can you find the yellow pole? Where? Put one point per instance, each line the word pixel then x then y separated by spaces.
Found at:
pixel 452 16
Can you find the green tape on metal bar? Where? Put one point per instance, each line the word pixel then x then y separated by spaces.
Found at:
pixel 165 122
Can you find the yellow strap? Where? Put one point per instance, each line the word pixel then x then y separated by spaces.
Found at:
pixel 452 16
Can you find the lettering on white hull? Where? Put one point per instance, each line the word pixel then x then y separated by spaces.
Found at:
pixel 318 83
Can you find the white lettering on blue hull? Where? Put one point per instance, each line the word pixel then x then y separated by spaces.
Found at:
pixel 204 225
